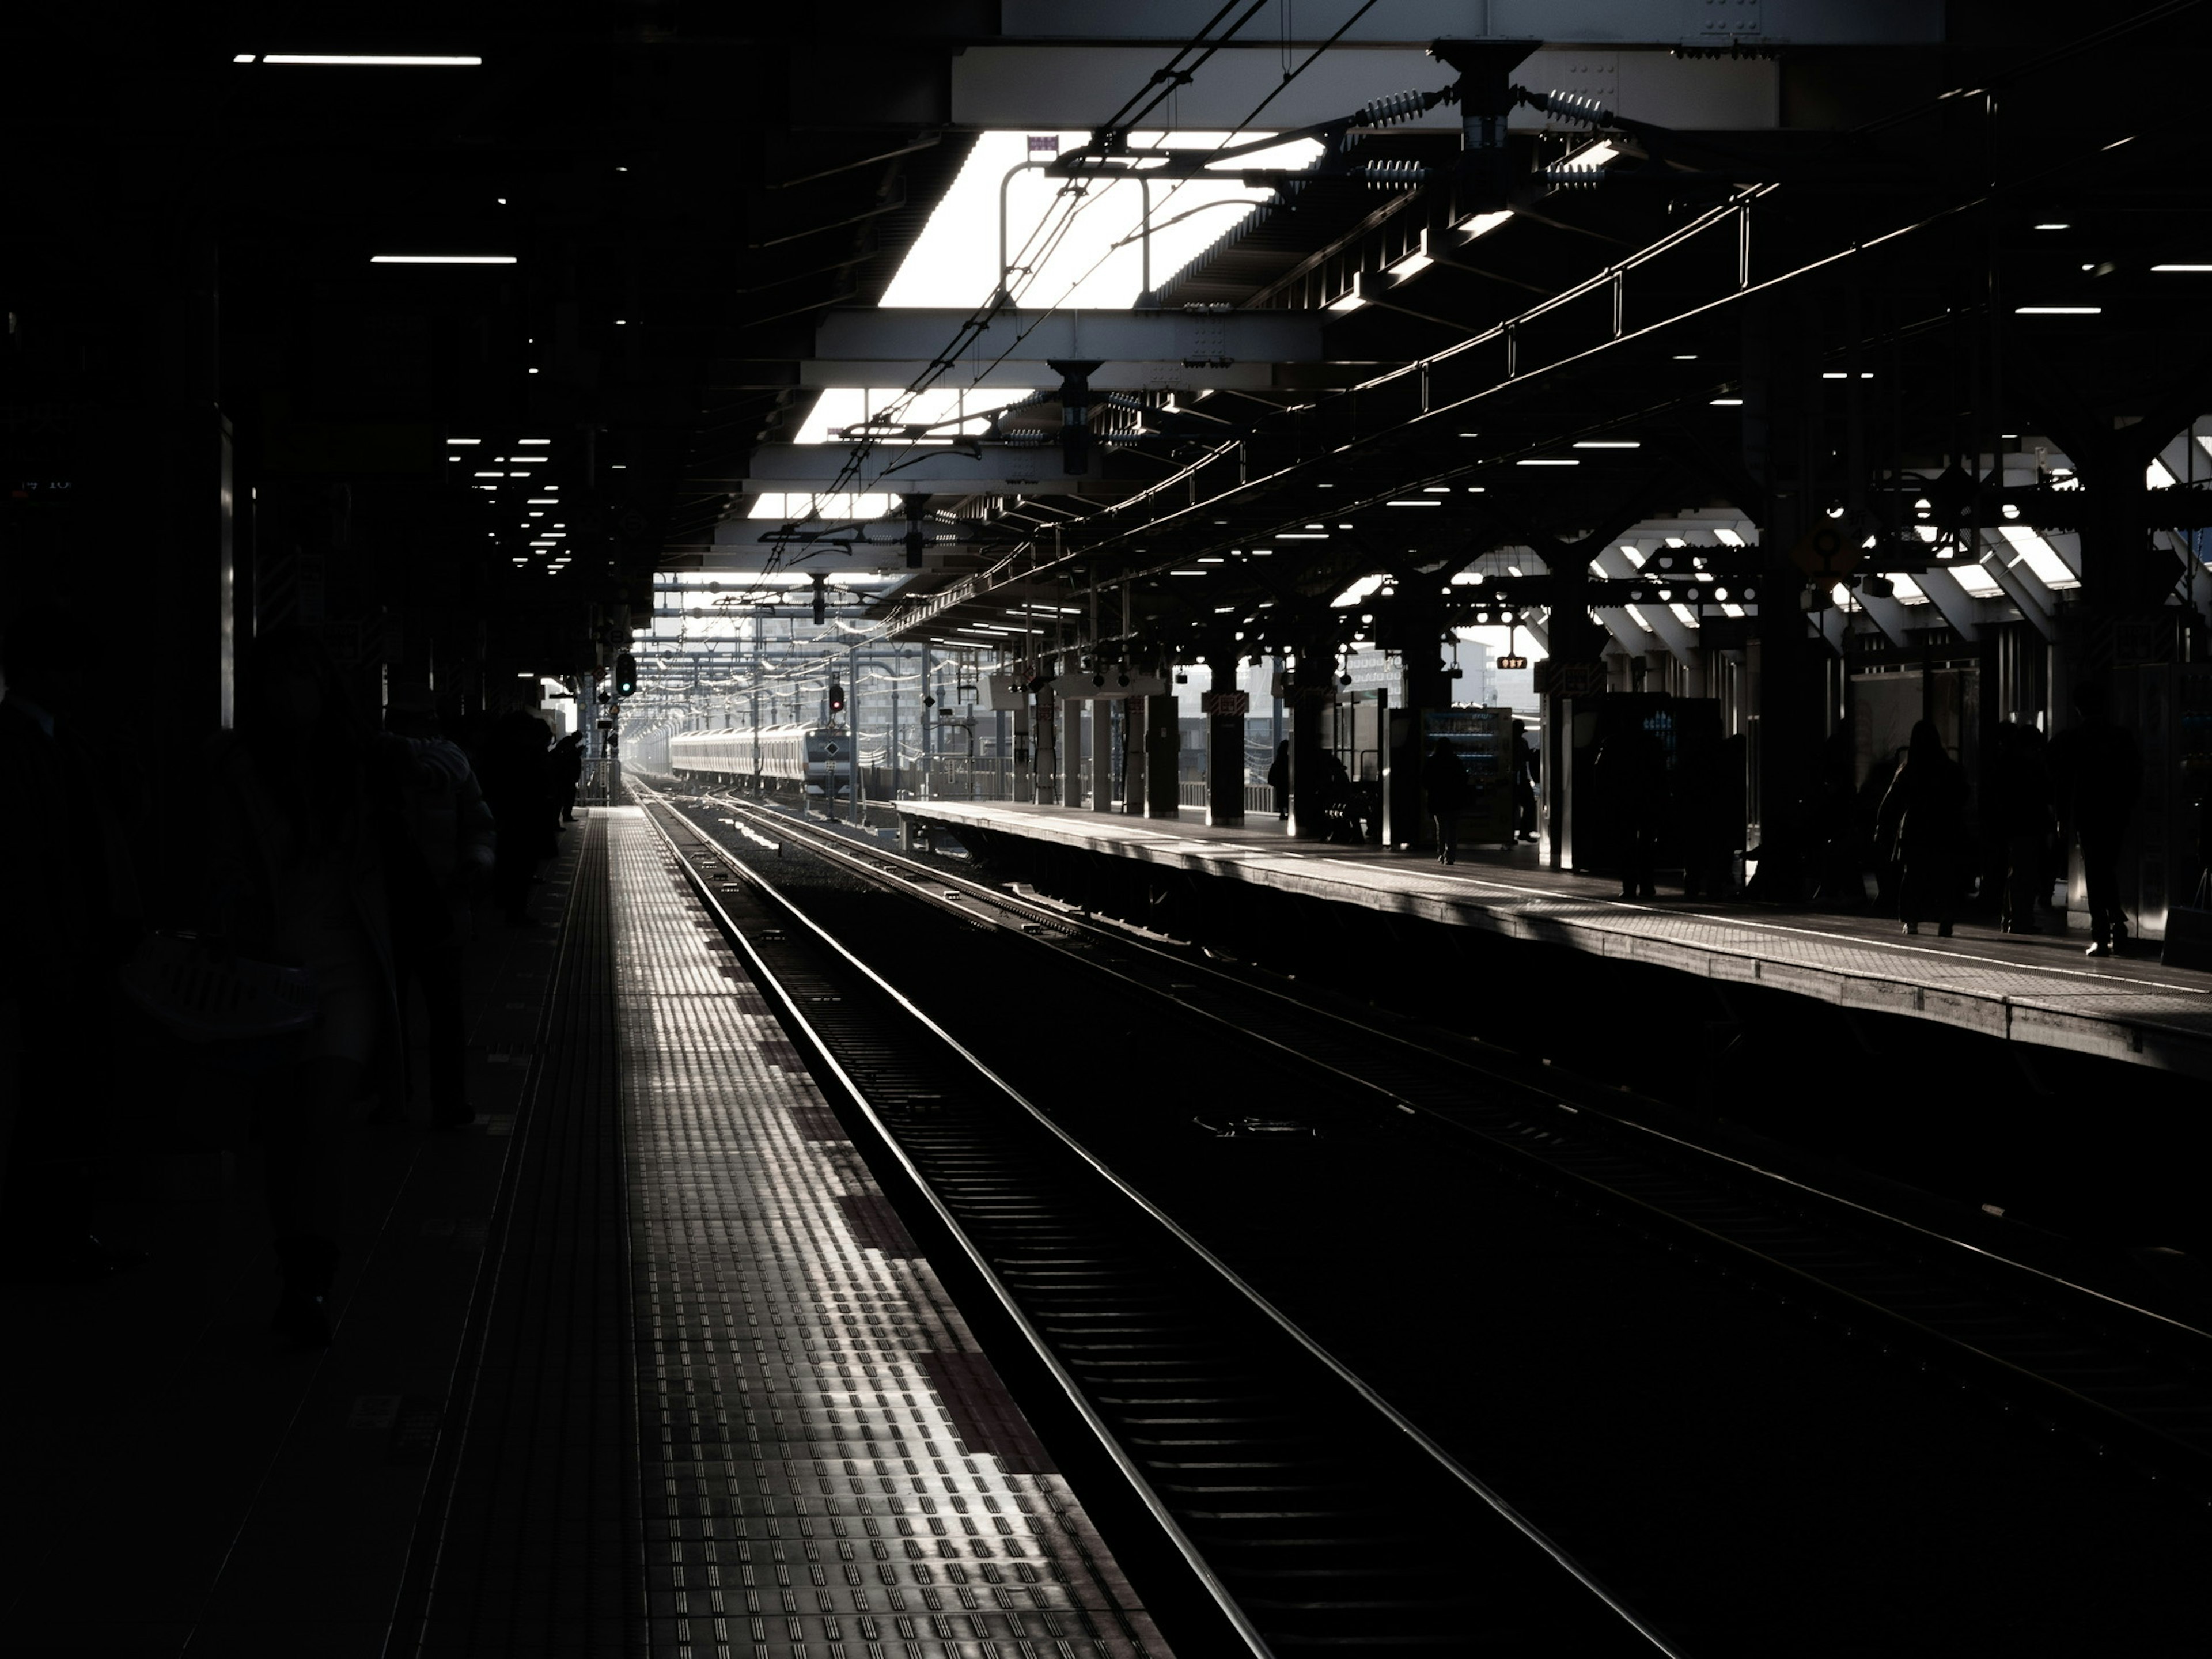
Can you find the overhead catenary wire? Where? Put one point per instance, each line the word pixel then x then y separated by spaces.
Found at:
pixel 977 323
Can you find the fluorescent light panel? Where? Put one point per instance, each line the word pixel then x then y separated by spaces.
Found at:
pixel 442 259
pixel 368 60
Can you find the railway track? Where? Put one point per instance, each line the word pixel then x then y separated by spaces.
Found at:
pixel 1314 1513
pixel 2128 1377
pixel 2118 1379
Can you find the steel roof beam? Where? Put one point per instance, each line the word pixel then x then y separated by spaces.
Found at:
pixel 1055 89
pixel 1148 337
pixel 901 468
pixel 1414 23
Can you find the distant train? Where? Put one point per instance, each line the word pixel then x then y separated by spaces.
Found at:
pixel 817 757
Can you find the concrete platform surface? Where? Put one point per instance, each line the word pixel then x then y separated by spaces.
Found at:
pixel 2038 989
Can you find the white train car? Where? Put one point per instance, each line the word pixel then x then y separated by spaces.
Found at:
pixel 817 758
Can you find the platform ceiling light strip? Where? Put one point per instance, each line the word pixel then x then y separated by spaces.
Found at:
pixel 2057 310
pixel 362 60
pixel 442 259
pixel 2189 268
pixel 1608 443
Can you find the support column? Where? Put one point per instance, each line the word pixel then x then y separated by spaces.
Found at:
pixel 1102 755
pixel 1163 741
pixel 1310 697
pixel 1779 377
pixel 1047 771
pixel 1134 772
pixel 1225 707
pixel 1071 753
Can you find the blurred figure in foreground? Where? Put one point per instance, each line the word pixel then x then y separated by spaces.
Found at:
pixel 451 839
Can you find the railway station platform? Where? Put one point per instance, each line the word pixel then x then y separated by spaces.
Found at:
pixel 2038 990
pixel 641 1362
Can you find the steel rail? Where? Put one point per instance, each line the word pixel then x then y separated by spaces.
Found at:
pixel 2096 1420
pixel 1438 1454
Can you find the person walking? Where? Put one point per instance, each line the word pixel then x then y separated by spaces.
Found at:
pixel 1923 822
pixel 1279 779
pixel 449 848
pixel 1443 786
pixel 301 816
pixel 2100 772
pixel 1524 784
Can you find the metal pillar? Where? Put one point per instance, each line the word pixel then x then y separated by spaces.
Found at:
pixel 1163 741
pixel 1225 707
pixel 1071 754
pixel 1102 755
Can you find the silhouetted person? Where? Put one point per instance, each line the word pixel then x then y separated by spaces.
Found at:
pixel 300 814
pixel 1278 778
pixel 1924 822
pixel 1524 784
pixel 2021 807
pixel 2099 771
pixel 1444 785
pixel 517 775
pixel 1633 763
pixel 567 773
pixel 69 914
pixel 450 846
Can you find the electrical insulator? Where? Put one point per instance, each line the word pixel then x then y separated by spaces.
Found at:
pixel 1398 107
pixel 1395 175
pixel 1584 177
pixel 1577 107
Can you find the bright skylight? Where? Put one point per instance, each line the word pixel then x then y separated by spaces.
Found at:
pixel 2038 555
pixel 844 406
pixel 955 260
pixel 774 504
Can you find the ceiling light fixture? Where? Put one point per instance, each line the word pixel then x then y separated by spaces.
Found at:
pixel 1609 443
pixel 368 60
pixel 2188 268
pixel 2057 310
pixel 442 259
pixel 1413 504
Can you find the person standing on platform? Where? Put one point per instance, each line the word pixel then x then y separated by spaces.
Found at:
pixel 1444 785
pixel 1923 822
pixel 2100 772
pixel 518 782
pixel 301 816
pixel 1524 784
pixel 567 773
pixel 2022 804
pixel 1634 766
pixel 1279 779
pixel 451 841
